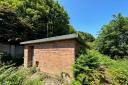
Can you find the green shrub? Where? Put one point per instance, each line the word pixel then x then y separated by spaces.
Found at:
pixel 33 70
pixel 86 69
pixel 7 59
pixel 34 82
pixel 120 77
pixel 93 68
pixel 119 72
pixel 10 75
pixel 5 71
pixel 16 78
pixel 17 60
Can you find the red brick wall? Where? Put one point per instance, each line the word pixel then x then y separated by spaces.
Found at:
pixel 55 57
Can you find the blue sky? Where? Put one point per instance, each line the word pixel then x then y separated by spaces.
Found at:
pixel 90 15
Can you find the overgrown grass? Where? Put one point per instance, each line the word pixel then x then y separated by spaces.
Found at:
pixel 10 75
pixel 34 82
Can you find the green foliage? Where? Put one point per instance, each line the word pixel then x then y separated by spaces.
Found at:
pixel 12 29
pixel 119 72
pixel 17 60
pixel 120 77
pixel 86 69
pixel 86 36
pixel 11 3
pixel 10 75
pixel 45 17
pixel 113 39
pixel 16 78
pixel 6 59
pixel 34 82
pixel 93 68
pixel 33 69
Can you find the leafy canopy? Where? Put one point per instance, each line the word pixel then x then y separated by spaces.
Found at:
pixel 46 17
pixel 113 39
pixel 86 36
pixel 12 29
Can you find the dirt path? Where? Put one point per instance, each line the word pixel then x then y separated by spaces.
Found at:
pixel 51 81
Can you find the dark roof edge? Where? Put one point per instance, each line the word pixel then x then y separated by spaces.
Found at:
pixel 56 38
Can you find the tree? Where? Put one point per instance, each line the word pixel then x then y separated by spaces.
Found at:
pixel 46 17
pixel 86 36
pixel 11 28
pixel 113 39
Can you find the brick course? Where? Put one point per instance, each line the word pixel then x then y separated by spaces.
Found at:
pixel 53 57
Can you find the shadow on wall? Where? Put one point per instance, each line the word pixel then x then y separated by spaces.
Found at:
pixel 11 54
pixel 13 50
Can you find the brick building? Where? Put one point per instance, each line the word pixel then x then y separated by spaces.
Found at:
pixel 53 55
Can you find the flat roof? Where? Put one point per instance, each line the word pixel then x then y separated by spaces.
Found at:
pixel 56 38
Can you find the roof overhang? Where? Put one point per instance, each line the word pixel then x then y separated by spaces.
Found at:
pixel 51 39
